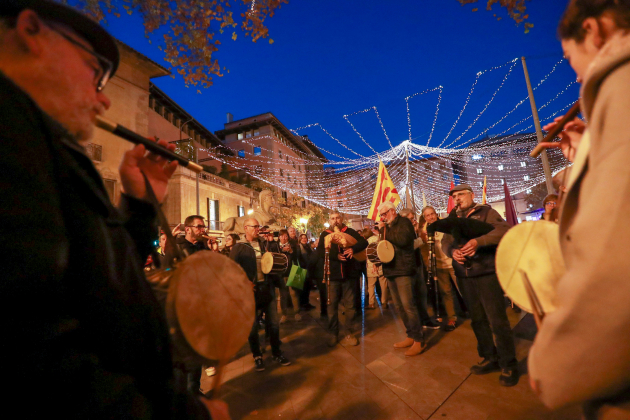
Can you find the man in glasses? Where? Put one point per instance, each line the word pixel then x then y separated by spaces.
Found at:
pixel 193 240
pixel 248 253
pixel 78 310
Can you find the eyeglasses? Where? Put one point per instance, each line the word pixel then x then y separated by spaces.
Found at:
pixel 553 203
pixel 253 226
pixel 385 214
pixel 104 70
pixel 198 226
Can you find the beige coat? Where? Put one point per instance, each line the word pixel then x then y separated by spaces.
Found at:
pixel 582 351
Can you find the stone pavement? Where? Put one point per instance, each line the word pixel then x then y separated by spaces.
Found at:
pixel 373 381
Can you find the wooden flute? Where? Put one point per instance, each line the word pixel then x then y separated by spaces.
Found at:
pixel 152 146
pixel 547 141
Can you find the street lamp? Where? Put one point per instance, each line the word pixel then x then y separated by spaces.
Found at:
pixel 326 225
pixel 304 222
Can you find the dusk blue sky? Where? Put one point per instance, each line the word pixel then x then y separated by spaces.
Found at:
pixel 332 58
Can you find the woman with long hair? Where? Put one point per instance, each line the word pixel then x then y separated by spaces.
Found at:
pixel 230 240
pixel 581 354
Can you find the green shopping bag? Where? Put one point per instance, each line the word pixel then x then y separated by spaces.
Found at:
pixel 297 276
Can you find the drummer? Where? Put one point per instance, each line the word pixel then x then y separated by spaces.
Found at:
pixel 247 253
pixel 581 354
pixel 77 309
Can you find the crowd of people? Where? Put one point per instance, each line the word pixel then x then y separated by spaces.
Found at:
pixel 80 310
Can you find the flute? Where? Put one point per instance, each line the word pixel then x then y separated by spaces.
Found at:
pixel 152 146
pixel 546 142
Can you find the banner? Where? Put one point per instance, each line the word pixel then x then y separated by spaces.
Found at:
pixel 385 191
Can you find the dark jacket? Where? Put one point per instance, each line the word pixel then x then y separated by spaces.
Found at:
pixel 245 256
pixel 292 257
pixel 482 263
pixel 77 306
pixel 401 234
pixel 341 270
pixel 188 247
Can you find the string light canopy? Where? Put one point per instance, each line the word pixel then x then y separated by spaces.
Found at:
pixel 347 183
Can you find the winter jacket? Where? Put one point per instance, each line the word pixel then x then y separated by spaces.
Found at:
pixel 401 233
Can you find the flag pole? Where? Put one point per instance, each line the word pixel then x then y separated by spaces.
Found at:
pixel 410 198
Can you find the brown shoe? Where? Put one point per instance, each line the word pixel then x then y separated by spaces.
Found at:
pixel 416 349
pixel 407 342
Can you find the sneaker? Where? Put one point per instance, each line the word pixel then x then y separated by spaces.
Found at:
pixel 431 325
pixel 509 377
pixel 282 360
pixel 298 317
pixel 350 340
pixel 332 341
pixel 452 324
pixel 283 319
pixel 211 371
pixel 485 366
pixel 260 364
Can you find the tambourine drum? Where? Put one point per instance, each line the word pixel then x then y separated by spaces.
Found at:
pixel 532 248
pixel 372 255
pixel 274 263
pixel 209 304
pixel 385 251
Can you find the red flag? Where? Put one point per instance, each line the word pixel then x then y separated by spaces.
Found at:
pixel 450 205
pixel 510 211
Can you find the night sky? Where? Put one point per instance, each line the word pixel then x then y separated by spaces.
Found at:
pixel 335 58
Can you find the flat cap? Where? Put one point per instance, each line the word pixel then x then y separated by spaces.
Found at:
pixel 102 42
pixel 460 187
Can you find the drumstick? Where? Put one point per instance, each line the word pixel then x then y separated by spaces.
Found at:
pixel 152 146
pixel 547 141
pixel 537 309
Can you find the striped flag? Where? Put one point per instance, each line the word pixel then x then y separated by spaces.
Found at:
pixel 385 191
pixel 450 204
pixel 483 196
pixel 424 200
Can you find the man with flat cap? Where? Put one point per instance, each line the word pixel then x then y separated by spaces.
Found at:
pixel 79 318
pixel 473 263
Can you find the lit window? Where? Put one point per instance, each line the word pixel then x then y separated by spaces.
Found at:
pixel 256 133
pixel 248 134
pixel 241 153
pixel 480 184
pixel 257 151
pixel 477 157
pixel 500 167
pixel 479 170
pixel 240 136
pixel 526 177
pixel 502 181
pixel 523 164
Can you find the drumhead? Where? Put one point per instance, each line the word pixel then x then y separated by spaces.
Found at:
pixel 532 248
pixel 385 251
pixel 266 262
pixel 212 300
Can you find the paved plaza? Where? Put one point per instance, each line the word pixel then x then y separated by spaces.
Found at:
pixel 374 381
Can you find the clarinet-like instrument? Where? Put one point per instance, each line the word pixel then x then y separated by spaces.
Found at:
pixel 327 274
pixel 432 270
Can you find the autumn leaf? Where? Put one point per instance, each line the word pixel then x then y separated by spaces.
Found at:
pixel 271 41
pixel 233 36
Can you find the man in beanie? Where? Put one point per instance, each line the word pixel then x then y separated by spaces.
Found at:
pixel 473 263
pixel 78 312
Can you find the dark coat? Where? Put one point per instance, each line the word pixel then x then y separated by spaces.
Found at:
pixel 77 307
pixel 401 234
pixel 482 263
pixel 188 248
pixel 341 270
pixel 244 255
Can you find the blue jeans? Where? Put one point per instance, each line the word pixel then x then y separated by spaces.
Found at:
pixel 272 326
pixel 342 291
pixel 402 290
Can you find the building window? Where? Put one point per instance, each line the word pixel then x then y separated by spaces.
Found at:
pixel 257 151
pixel 284 195
pixel 480 184
pixel 477 157
pixel 248 134
pixel 280 153
pixel 241 153
pixel 213 215
pixel 240 136
pixel 502 181
pixel 526 177
pixel 339 204
pixel 256 132
pixel 444 177
pixel 523 164
pixel 479 170
pixel 500 167
pixel 281 172
pixel 240 210
pixel 430 179
pixel 110 186
pixel 258 170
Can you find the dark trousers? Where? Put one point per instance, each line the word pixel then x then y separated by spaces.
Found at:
pixel 272 326
pixel 343 291
pixel 486 306
pixel 323 297
pixel 420 295
pixel 306 292
pixel 402 290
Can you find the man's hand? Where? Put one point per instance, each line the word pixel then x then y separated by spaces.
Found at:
pixel 380 224
pixel 342 256
pixel 570 137
pixel 177 229
pixel 470 248
pixel 157 170
pixel 458 256
pixel 218 409
pixel 348 252
pixel 424 236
